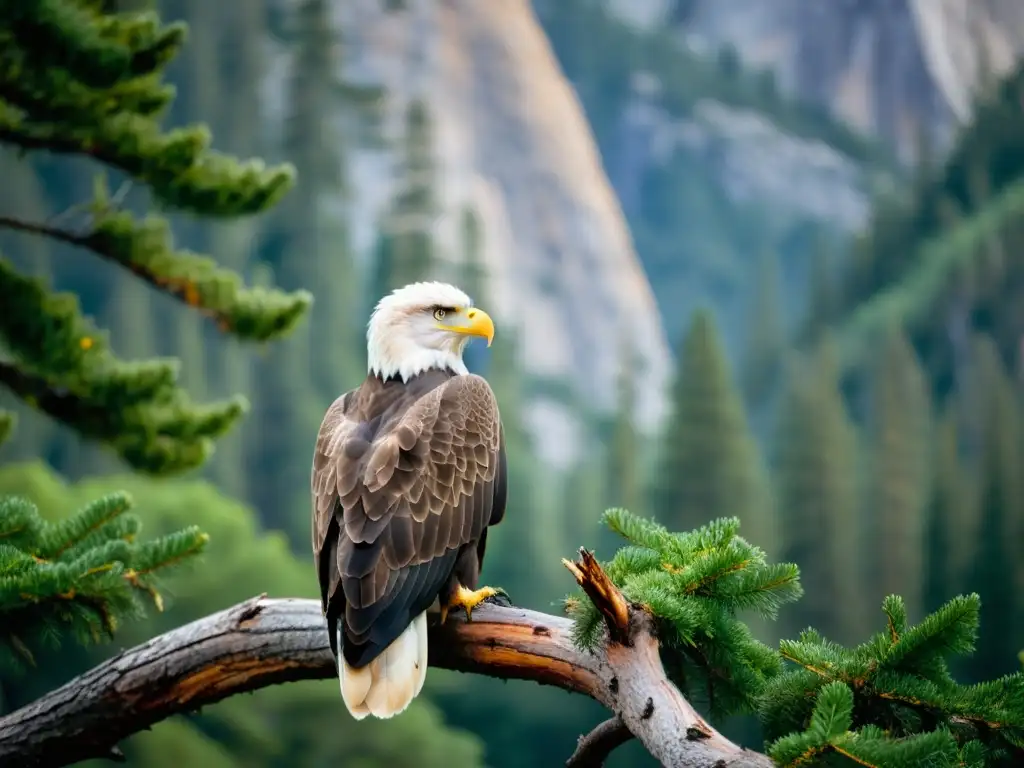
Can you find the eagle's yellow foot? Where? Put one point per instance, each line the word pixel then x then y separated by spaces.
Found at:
pixel 468 599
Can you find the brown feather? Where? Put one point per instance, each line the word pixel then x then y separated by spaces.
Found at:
pixel 406 478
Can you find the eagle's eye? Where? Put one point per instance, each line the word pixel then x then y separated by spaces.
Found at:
pixel 439 314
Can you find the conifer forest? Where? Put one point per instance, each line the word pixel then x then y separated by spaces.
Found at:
pixel 818 545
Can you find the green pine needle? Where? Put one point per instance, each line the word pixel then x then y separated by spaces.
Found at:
pixel 84 574
pixel 66 370
pixel 695 584
pixel 898 682
pixel 890 701
pixel 78 79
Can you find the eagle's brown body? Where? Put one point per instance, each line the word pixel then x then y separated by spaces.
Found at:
pixel 407 477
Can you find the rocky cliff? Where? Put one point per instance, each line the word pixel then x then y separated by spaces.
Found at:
pixel 512 143
pixel 885 66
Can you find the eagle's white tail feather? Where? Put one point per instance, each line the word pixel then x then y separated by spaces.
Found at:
pixel 421 651
pixel 387 685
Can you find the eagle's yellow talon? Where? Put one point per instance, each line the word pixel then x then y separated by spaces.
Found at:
pixel 468 599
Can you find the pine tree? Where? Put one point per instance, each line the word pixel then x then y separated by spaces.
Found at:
pixel 696 583
pixel 765 334
pixel 898 442
pixel 473 278
pixel 816 492
pixel 75 80
pixel 89 85
pixel 1000 501
pixel 823 289
pixel 23 196
pixel 622 471
pixel 308 245
pixel 710 465
pixel 241 30
pixel 405 247
pixel 474 272
pixel 951 534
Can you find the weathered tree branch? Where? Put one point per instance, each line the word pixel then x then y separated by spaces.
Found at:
pixel 595 747
pixel 262 641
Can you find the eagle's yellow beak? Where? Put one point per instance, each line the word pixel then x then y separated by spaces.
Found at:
pixel 477 323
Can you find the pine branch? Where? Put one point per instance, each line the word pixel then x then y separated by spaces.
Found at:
pixel 76 79
pixel 145 249
pixel 84 573
pixel 891 700
pixel 163 437
pixel 263 642
pixel 63 34
pixel 63 367
pixel 693 584
pixel 105 107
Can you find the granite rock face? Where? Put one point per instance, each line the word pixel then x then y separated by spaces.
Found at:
pixel 513 144
pixel 885 66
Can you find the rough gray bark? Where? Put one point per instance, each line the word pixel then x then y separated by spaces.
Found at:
pixel 595 747
pixel 263 641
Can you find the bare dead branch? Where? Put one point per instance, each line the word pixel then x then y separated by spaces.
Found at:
pixel 606 596
pixel 262 642
pixel 594 748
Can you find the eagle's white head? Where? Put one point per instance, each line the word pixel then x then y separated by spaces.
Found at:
pixel 423 326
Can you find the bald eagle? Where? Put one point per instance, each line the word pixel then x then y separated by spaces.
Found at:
pixel 408 474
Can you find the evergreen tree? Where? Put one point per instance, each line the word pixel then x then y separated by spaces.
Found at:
pixel 622 471
pixel 312 241
pixel 997 566
pixel 898 442
pixel 823 290
pixel 815 449
pixel 889 701
pixel 233 70
pixel 405 246
pixel 951 534
pixel 22 196
pixel 474 275
pixel 710 465
pixel 77 81
pixel 765 333
pixel 473 278
pixel 307 244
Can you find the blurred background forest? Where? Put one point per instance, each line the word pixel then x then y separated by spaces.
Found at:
pixel 807 320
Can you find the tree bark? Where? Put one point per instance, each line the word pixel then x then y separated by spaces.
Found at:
pixel 595 747
pixel 263 641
